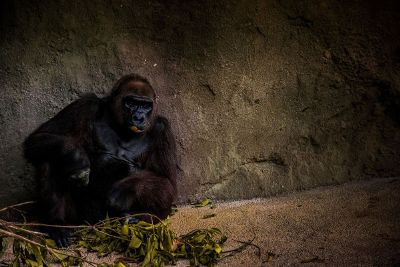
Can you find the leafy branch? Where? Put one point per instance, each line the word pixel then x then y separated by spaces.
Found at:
pixel 150 244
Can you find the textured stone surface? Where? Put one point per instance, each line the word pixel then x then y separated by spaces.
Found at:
pixel 265 96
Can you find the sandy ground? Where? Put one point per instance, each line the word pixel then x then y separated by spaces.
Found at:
pixel 356 224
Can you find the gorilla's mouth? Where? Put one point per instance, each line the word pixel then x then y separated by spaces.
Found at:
pixel 135 129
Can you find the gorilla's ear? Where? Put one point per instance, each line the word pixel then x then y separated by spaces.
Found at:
pixel 160 125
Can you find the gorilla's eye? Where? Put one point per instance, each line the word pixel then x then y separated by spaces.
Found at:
pixel 146 105
pixel 130 102
pixel 134 103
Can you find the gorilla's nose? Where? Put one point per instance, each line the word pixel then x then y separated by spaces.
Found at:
pixel 139 119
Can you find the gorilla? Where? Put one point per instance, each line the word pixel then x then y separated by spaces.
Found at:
pixel 112 155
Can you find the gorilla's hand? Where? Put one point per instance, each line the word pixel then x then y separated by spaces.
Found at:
pixel 121 197
pixel 75 165
pixel 80 178
pixel 60 236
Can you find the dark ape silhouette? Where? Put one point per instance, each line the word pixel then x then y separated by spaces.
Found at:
pixel 99 156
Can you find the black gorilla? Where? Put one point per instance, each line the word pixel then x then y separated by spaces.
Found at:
pixel 99 156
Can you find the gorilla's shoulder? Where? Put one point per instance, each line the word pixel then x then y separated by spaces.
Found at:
pixel 161 124
pixel 84 108
pixel 87 101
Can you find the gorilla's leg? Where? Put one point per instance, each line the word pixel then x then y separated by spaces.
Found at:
pixel 142 192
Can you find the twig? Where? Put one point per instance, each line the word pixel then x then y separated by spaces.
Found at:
pixel 51 225
pixel 17 205
pixel 251 244
pixel 244 245
pixel 14 227
pixel 16 236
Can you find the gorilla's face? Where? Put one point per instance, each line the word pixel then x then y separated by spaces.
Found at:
pixel 137 112
pixel 133 106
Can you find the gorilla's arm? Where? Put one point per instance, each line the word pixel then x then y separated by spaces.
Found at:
pixel 57 151
pixel 62 134
pixel 162 159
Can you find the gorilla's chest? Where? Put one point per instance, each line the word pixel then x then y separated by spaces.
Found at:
pixel 110 148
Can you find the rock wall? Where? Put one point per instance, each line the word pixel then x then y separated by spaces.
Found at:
pixel 265 96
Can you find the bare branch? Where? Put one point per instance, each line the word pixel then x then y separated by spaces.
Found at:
pixel 17 205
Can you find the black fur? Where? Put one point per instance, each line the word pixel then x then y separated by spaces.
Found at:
pixel 89 164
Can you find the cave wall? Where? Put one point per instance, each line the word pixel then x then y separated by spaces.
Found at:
pixel 265 97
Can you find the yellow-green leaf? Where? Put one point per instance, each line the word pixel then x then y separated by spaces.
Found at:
pixel 135 241
pixel 38 255
pixel 125 229
pixel 120 264
pixel 83 244
pixel 203 203
pixel 51 243
pixel 218 249
pixel 15 263
pixel 60 256
pixel 208 216
pixel 32 263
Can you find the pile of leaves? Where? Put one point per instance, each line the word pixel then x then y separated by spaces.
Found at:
pixel 150 244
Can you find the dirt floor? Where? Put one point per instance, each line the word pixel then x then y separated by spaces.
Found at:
pixel 356 224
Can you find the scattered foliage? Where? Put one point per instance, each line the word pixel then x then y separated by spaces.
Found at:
pixel 150 244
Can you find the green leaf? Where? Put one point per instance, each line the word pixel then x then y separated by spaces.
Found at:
pixel 145 225
pixel 168 241
pixel 100 234
pixel 203 203
pixel 51 243
pixel 135 241
pixel 83 244
pixel 223 239
pixel 125 229
pixel 199 238
pixel 218 249
pixel 15 263
pixel 60 256
pixel 209 216
pixel 31 263
pixel 203 260
pixel 146 260
pixel 38 255
pixel 120 264
pixel 214 230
